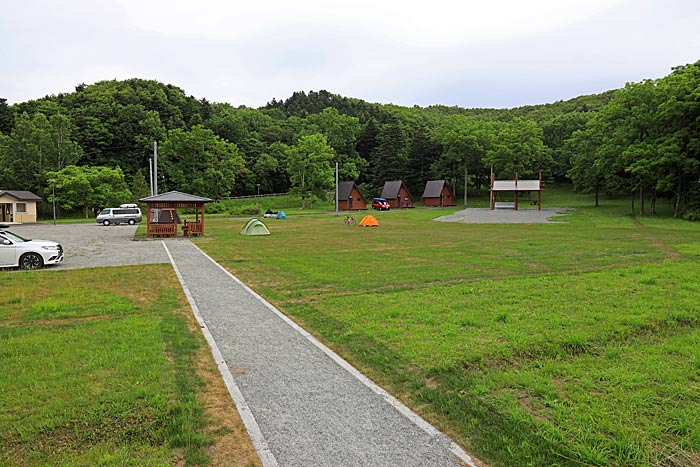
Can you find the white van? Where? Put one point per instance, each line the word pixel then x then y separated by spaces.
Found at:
pixel 124 214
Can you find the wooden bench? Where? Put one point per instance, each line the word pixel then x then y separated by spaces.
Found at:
pixel 192 228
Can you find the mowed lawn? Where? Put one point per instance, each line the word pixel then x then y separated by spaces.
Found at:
pixel 569 344
pixel 107 366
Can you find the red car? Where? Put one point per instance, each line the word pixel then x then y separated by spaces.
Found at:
pixel 380 204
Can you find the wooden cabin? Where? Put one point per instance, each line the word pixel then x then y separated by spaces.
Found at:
pixel 350 198
pixel 18 206
pixel 438 193
pixel 397 195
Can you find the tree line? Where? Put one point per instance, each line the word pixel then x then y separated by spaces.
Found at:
pixel 92 146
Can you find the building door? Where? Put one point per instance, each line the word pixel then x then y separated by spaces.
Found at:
pixel 350 202
pixel 6 212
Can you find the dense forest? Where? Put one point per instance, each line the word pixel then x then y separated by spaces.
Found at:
pixel 92 146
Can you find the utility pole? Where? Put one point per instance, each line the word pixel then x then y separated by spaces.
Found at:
pixel 150 174
pixel 336 188
pixel 155 168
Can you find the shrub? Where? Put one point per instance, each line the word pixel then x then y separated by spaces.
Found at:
pixel 245 209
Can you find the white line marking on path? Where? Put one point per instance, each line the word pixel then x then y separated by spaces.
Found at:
pixel 259 442
pixel 398 405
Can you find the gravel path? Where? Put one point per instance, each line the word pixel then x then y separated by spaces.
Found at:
pixel 504 216
pixel 311 407
pixel 93 245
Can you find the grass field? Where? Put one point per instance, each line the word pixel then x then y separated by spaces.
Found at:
pixel 563 344
pixel 106 366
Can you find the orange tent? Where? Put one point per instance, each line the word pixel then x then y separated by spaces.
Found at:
pixel 369 221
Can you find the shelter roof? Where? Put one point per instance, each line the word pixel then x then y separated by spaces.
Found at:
pixel 391 189
pixel 345 188
pixel 433 189
pixel 175 197
pixel 21 195
pixel 517 185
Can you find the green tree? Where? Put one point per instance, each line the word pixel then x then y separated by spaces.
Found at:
pixel 390 157
pixel 342 133
pixel 5 117
pixel 309 167
pixel 139 186
pixel 199 162
pixel 88 187
pixel 518 147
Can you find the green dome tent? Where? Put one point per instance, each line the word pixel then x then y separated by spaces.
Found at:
pixel 255 227
pixel 281 215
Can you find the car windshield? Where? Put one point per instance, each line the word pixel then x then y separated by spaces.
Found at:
pixel 15 237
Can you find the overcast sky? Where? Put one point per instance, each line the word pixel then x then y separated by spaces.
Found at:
pixel 490 53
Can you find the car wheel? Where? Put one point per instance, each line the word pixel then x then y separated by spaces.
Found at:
pixel 132 222
pixel 105 222
pixel 31 261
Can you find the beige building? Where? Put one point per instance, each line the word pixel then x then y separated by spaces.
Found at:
pixel 18 206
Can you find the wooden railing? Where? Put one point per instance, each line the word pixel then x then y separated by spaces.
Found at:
pixel 192 228
pixel 162 230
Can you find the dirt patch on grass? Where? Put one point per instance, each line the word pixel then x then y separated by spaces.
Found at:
pixel 670 252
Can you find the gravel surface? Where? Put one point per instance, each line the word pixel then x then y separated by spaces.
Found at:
pixel 311 411
pixel 93 245
pixel 504 216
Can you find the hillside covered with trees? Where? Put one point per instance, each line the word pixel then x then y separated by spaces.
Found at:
pixel 642 141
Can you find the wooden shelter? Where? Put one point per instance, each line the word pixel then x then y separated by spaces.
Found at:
pixel 438 193
pixel 162 218
pixel 350 198
pixel 515 186
pixel 397 195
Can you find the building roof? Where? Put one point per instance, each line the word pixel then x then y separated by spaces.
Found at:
pixel 433 189
pixel 175 197
pixel 517 185
pixel 391 189
pixel 21 195
pixel 345 188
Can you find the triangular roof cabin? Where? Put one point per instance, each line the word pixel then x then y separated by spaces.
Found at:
pixel 350 198
pixel 397 195
pixel 438 193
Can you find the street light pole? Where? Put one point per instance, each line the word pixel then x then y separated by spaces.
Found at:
pixel 258 200
pixel 53 199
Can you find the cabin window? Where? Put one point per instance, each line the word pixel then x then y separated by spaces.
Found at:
pixel 22 207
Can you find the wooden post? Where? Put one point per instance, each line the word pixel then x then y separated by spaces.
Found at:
pixel 493 204
pixel 516 191
pixel 148 220
pixel 539 194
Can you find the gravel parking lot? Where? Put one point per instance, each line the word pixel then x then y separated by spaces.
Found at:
pixel 93 245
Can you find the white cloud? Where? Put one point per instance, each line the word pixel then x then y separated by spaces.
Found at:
pixel 418 23
pixel 499 53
